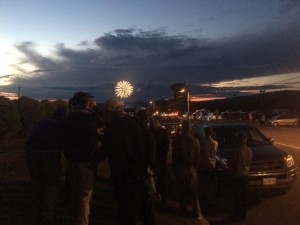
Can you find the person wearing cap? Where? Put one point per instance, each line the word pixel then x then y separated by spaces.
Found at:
pixel 129 149
pixel 80 146
pixel 239 162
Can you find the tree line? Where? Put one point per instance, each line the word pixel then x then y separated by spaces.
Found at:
pixel 18 117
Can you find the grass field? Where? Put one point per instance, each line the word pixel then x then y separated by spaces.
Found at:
pixel 16 192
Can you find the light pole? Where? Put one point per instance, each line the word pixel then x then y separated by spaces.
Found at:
pixel 188 98
pixel 188 101
pixel 153 106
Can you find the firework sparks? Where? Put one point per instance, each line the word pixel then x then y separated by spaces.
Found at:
pixel 123 89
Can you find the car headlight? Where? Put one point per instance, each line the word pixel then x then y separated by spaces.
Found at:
pixel 289 160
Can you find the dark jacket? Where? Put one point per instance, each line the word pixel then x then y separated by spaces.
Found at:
pixel 162 142
pixel 44 137
pixel 79 136
pixel 129 146
pixel 43 152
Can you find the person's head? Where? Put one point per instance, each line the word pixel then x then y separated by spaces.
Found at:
pixel 186 127
pixel 208 131
pixel 81 100
pixel 156 123
pixel 241 138
pixel 142 114
pixel 70 102
pixel 92 104
pixel 60 114
pixel 115 107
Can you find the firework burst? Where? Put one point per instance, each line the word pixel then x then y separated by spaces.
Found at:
pixel 123 89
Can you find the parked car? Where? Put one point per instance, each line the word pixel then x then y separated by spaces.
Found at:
pixel 283 120
pixel 202 114
pixel 187 115
pixel 271 166
pixel 234 115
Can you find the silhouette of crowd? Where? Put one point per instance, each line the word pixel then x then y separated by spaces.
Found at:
pixel 137 148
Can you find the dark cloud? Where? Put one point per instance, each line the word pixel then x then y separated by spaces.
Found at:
pixel 34 58
pixel 229 91
pixel 7 76
pixel 137 41
pixel 39 70
pixel 153 61
pixel 288 7
pixel 84 43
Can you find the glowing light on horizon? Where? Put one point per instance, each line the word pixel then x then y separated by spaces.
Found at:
pixel 11 96
pixel 282 79
pixel 5 69
pixel 201 99
pixel 123 89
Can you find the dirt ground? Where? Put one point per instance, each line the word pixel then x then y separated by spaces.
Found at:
pixel 16 192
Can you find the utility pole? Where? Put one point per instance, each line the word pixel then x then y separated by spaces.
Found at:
pixel 152 103
pixel 183 90
pixel 188 101
pixel 19 91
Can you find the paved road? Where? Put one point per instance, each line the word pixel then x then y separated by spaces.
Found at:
pixel 286 136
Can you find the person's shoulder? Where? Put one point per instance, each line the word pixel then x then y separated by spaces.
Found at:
pixel 177 138
pixel 73 115
pixel 248 150
pixel 44 123
pixel 126 121
pixel 130 119
pixel 206 140
pixel 214 141
pixel 233 154
pixel 196 140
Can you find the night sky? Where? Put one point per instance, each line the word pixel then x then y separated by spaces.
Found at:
pixel 52 49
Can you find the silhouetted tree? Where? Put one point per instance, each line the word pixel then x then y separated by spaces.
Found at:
pixel 48 108
pixel 59 103
pixel 10 119
pixel 31 111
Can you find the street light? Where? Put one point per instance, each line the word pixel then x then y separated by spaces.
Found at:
pixel 188 98
pixel 153 106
